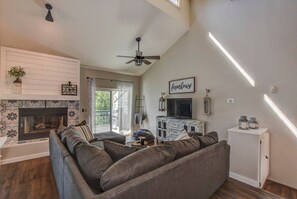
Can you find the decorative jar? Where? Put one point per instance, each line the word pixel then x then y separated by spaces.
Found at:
pixel 253 123
pixel 243 123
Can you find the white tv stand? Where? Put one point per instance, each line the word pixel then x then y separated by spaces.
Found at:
pixel 169 128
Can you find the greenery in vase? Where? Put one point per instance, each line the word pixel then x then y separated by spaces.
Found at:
pixel 17 72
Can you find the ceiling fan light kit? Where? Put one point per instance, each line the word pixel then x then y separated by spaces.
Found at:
pixel 139 59
pixel 49 16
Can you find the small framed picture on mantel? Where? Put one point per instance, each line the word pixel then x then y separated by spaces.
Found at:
pixel 178 86
pixel 69 89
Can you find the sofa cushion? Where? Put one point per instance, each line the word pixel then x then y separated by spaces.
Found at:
pixel 85 132
pixel 72 141
pixel 182 136
pixel 191 133
pixel 92 162
pixel 117 151
pixel 66 132
pixel 98 144
pixel 136 164
pixel 112 136
pixel 208 139
pixel 184 147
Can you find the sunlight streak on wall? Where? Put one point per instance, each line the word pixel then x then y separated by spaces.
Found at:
pixel 281 115
pixel 236 64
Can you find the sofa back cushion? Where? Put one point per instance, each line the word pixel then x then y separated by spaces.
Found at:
pixel 136 164
pixel 92 162
pixel 184 147
pixel 117 151
pixel 72 141
pixel 66 132
pixel 208 139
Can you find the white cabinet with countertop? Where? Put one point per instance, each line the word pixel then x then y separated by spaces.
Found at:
pixel 249 156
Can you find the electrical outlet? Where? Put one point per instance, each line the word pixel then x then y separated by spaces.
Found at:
pixel 230 101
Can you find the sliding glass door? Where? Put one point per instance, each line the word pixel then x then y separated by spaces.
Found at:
pixel 103 111
pixel 114 110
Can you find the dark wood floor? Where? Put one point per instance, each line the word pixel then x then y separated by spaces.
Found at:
pixel 33 179
pixel 281 190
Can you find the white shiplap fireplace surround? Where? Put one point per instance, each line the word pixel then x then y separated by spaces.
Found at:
pixel 41 88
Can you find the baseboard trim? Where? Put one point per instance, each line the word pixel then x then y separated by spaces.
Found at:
pixel 244 179
pixel 25 157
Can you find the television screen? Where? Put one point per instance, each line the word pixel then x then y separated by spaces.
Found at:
pixel 179 108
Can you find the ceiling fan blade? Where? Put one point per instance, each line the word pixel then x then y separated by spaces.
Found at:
pixel 146 62
pixel 152 57
pixel 128 62
pixel 125 56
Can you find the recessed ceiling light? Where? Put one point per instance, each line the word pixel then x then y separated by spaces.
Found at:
pixel 236 64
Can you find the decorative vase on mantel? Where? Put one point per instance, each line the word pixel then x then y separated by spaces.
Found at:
pixel 17 86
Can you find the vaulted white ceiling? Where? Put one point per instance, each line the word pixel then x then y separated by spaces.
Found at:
pixel 94 31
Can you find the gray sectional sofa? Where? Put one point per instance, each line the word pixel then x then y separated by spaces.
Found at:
pixel 197 175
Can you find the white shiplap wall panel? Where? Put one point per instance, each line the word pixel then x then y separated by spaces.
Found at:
pixel 44 74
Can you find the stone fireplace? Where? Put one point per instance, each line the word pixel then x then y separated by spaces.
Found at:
pixel 37 122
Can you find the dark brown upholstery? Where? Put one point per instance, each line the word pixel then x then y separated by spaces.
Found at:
pixel 117 151
pixel 184 147
pixel 136 164
pixel 93 162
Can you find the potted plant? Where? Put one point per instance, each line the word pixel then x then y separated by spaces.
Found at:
pixel 17 72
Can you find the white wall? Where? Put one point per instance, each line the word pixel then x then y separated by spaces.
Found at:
pixel 261 35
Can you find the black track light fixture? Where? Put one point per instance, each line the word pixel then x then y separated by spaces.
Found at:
pixel 49 16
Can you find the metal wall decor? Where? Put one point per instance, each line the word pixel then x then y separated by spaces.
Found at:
pixel 162 102
pixel 69 89
pixel 186 85
pixel 207 103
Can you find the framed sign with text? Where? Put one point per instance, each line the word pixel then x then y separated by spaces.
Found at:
pixel 186 85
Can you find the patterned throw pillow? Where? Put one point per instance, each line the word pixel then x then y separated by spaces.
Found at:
pixel 85 132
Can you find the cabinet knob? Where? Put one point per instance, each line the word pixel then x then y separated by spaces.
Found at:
pixel 266 157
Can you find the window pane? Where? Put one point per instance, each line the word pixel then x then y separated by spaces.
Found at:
pixel 175 2
pixel 102 111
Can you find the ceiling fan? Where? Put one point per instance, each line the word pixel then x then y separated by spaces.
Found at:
pixel 139 59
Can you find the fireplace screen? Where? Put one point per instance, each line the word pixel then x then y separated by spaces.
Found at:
pixel 37 122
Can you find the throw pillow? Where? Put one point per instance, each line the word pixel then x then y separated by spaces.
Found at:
pixel 98 143
pixel 85 132
pixel 136 164
pixel 183 136
pixel 191 133
pixel 117 151
pixel 82 123
pixel 72 141
pixel 208 139
pixel 92 162
pixel 184 147
pixel 67 131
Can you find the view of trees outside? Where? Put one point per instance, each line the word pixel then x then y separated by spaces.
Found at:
pixel 115 104
pixel 102 107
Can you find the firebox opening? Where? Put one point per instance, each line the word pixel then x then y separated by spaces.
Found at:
pixel 38 122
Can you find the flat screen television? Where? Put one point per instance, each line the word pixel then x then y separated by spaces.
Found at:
pixel 179 108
